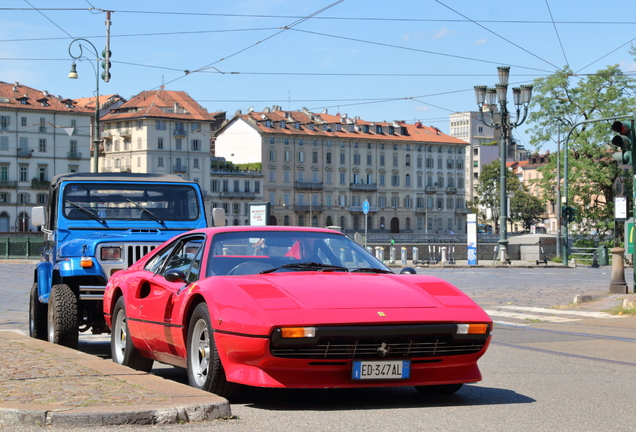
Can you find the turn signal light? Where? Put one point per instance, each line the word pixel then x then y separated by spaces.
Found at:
pixel 86 262
pixel 472 328
pixel 298 332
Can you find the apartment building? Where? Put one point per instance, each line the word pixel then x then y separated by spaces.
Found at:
pixel 160 131
pixel 319 169
pixel 41 135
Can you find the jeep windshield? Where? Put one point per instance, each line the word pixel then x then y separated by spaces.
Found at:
pixel 130 201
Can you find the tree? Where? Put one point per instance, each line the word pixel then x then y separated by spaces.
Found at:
pixel 526 208
pixel 488 190
pixel 559 102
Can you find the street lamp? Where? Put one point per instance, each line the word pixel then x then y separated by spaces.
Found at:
pixel 73 75
pixel 487 100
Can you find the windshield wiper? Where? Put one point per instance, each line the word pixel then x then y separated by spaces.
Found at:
pixel 307 266
pixel 371 270
pixel 145 210
pixel 87 212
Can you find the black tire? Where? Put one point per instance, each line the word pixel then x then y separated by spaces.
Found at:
pixel 37 315
pixel 445 389
pixel 62 317
pixel 121 346
pixel 205 370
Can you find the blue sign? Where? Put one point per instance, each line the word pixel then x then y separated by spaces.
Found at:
pixel 365 207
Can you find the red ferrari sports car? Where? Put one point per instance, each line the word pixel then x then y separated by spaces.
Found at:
pixel 291 307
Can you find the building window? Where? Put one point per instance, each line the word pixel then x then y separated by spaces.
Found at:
pixel 314 157
pixel 408 160
pixel 301 156
pixel 287 177
pixel 4 143
pixel 23 121
pixel 395 160
pixel 42 145
pixel 395 201
pixel 196 145
pixel 272 155
pixel 328 178
pixel 272 140
pixel 286 141
pixel 24 171
pixel 369 159
pixel 381 160
pixel 160 162
pixel 160 125
pixel 138 162
pixel 159 144
pixel 226 185
pixel 314 143
pixel 287 155
pixel 356 159
pixel 272 176
pixel 5 121
pixel 395 180
pixel 382 180
pixel 195 163
pixel 381 201
pixel 300 142
pixel 214 185
pixel 342 178
pixel 195 127
pixel 407 180
pixel 237 186
pixel 328 157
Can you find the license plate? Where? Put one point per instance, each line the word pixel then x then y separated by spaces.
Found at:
pixel 393 369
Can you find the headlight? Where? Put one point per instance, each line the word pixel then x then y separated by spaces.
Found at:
pixel 298 332
pixel 472 328
pixel 112 253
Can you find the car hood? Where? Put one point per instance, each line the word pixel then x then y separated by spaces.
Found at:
pixel 335 290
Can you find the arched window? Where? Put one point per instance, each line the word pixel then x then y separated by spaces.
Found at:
pixel 286 220
pixel 382 222
pixel 356 223
pixel 407 180
pixel 301 220
pixel 314 221
pixel 329 221
pixel 408 223
pixel 236 222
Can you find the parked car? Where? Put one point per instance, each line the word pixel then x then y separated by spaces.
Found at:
pixel 291 307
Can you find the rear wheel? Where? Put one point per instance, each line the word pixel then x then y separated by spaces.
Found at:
pixel 62 316
pixel 205 370
pixel 121 345
pixel 444 389
pixel 37 315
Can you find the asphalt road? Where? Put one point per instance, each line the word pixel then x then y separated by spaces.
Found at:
pixel 575 374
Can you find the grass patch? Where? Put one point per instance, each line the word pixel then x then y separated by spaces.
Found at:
pixel 620 310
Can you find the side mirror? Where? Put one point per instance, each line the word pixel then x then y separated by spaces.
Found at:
pixel 175 275
pixel 38 216
pixel 408 270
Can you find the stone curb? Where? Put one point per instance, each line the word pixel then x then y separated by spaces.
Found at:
pixel 179 402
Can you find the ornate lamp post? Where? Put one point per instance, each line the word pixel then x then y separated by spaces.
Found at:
pixel 73 75
pixel 487 101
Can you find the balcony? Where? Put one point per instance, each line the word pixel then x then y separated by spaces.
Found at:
pixel 25 153
pixel 420 210
pixel 451 190
pixel 40 184
pixel 125 169
pixel 73 155
pixel 237 194
pixel 306 208
pixel 179 132
pixel 358 209
pixel 124 133
pixel 308 185
pixel 107 134
pixel 179 168
pixel 431 189
pixel 363 187
pixel 461 211
pixel 8 184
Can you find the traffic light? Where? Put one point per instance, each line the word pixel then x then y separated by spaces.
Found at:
pixel 106 65
pixel 571 214
pixel 624 141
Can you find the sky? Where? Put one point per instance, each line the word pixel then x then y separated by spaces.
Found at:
pixel 411 60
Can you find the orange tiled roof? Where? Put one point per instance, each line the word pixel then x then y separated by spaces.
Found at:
pixel 156 103
pixel 104 100
pixel 336 126
pixel 18 96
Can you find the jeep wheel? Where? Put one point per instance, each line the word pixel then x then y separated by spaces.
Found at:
pixel 121 345
pixel 62 316
pixel 37 315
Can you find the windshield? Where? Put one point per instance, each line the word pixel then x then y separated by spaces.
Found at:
pixel 130 201
pixel 251 252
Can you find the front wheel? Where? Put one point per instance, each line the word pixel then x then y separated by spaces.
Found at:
pixel 444 389
pixel 37 315
pixel 205 370
pixel 121 345
pixel 62 316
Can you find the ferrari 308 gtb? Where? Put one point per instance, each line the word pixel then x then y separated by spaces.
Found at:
pixel 291 307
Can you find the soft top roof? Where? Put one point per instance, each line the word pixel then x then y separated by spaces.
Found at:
pixel 117 177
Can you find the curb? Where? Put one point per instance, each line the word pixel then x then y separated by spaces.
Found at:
pixel 161 401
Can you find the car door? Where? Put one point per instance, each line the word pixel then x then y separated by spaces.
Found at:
pixel 159 298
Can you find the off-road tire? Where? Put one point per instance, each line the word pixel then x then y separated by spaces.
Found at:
pixel 37 315
pixel 62 317
pixel 122 348
pixel 205 370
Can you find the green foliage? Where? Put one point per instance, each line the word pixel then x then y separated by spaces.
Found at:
pixel 562 100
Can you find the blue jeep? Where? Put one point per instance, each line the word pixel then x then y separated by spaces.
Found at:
pixel 96 224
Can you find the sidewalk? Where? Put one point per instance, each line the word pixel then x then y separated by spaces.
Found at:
pixel 42 384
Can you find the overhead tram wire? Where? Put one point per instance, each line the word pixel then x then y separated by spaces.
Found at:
pixel 602 57
pixel 557 32
pixel 499 36
pixel 418 50
pixel 288 27
pixel 49 19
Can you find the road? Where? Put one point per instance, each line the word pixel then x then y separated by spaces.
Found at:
pixel 546 370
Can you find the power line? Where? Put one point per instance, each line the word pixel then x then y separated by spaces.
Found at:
pixel 498 35
pixel 49 19
pixel 557 32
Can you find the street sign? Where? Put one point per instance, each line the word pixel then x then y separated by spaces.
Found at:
pixel 365 207
pixel 620 208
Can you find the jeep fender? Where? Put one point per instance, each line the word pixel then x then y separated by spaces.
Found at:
pixel 44 279
pixel 71 267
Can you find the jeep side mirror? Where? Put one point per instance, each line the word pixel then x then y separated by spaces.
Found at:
pixel 38 216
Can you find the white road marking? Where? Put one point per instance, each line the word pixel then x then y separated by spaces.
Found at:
pixel 524 316
pixel 586 314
